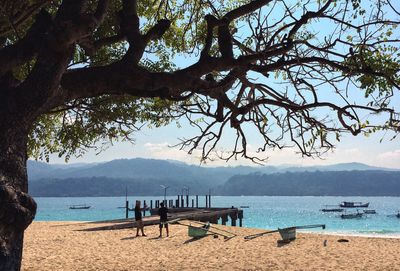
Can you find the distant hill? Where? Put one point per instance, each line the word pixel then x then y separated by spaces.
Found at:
pixel 337 167
pixel 153 168
pixel 146 175
pixel 319 183
pixel 104 186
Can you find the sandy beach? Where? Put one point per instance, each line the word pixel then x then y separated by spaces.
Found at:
pixel 61 246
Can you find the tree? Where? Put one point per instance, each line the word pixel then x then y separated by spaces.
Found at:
pixel 74 73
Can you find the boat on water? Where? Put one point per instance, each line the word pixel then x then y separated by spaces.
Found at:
pixel 352 215
pixel 352 204
pixel 79 206
pixel 337 210
pixel 331 208
pixel 370 211
pixel 398 215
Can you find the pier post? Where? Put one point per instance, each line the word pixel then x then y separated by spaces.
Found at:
pixel 233 218
pixel 224 219
pixel 240 215
pixel 214 219
pixel 209 200
pixel 197 201
pixel 182 201
pixel 144 208
pixel 192 203
pixel 187 200
pixel 126 209
pixel 206 201
pixel 177 203
pixel 151 204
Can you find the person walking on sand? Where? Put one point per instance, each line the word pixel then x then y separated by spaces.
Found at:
pixel 162 212
pixel 138 218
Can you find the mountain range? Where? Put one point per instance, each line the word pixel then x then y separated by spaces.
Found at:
pixel 144 177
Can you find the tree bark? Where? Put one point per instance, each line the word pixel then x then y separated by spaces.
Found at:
pixel 17 208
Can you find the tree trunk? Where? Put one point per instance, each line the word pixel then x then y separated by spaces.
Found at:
pixel 17 208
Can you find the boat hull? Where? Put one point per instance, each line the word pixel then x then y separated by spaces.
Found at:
pixel 77 207
pixel 332 210
pixel 353 205
pixel 288 234
pixel 369 212
pixel 351 216
pixel 197 232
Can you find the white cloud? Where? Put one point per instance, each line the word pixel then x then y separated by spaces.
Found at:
pixel 275 157
pixel 165 151
pixel 390 155
pixel 389 159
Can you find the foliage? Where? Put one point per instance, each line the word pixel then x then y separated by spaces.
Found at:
pixel 237 45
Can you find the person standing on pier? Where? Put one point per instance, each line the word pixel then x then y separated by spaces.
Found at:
pixel 162 212
pixel 138 219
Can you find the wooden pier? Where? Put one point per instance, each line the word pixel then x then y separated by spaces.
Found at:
pixel 212 215
pixel 182 208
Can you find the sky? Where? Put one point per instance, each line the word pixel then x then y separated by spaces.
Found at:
pixel 155 143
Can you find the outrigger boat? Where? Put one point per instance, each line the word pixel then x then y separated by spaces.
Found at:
pixel 369 211
pixel 79 206
pixel 327 209
pixel 205 229
pixel 351 204
pixel 287 234
pixel 350 216
pixel 198 232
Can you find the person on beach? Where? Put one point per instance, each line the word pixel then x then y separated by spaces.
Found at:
pixel 138 218
pixel 162 212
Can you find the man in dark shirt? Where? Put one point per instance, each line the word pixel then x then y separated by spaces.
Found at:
pixel 162 212
pixel 138 219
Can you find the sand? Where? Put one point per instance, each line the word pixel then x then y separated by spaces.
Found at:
pixel 59 246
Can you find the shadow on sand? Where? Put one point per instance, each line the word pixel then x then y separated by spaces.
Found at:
pixel 128 238
pixel 193 239
pixel 281 243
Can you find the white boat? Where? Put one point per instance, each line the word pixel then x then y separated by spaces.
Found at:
pixel 352 204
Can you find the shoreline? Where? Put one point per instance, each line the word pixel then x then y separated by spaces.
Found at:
pixel 390 235
pixel 362 235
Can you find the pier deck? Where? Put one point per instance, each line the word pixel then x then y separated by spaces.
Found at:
pixel 212 215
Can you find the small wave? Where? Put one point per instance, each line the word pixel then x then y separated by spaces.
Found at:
pixel 379 232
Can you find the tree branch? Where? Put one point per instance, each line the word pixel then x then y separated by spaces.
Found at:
pixel 21 52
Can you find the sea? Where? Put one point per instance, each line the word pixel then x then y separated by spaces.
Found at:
pixel 263 212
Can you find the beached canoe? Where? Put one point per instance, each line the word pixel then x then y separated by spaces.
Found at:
pixel 197 232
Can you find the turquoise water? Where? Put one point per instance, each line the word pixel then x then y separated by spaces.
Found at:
pixel 264 212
